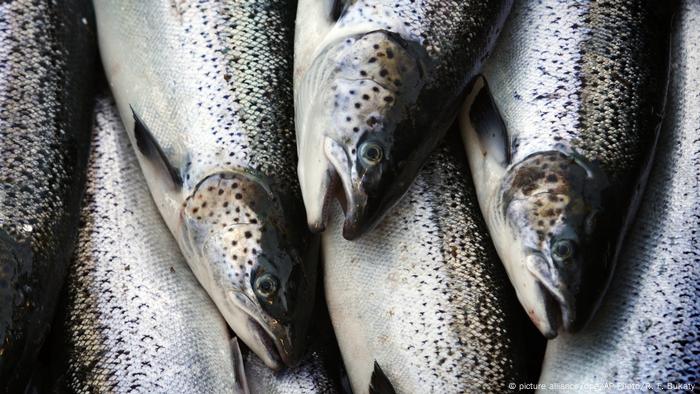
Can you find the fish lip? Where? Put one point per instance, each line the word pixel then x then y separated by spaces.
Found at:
pixel 272 346
pixel 278 354
pixel 559 303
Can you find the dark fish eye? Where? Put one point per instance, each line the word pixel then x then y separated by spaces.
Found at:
pixel 563 249
pixel 266 285
pixel 371 153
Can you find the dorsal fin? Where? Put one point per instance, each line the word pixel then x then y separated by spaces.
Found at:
pixel 380 384
pixel 151 150
pixel 488 124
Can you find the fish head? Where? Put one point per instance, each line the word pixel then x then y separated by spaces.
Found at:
pixel 358 102
pixel 242 251
pixel 551 203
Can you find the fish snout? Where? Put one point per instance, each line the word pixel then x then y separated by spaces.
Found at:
pixel 555 286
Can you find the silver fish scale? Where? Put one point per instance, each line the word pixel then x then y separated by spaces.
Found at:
pixel 309 377
pixel 46 58
pixel 137 320
pixel 234 58
pixel 606 105
pixel 423 294
pixel 648 329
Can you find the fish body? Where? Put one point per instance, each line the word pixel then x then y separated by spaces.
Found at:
pixel 648 328
pixel 204 91
pixel 377 84
pixel 421 304
pixel 47 52
pixel 313 375
pixel 136 318
pixel 559 131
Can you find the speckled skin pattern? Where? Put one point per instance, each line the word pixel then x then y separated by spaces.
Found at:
pixel 581 83
pixel 423 294
pixel 47 51
pixel 391 73
pixel 137 319
pixel 647 330
pixel 211 81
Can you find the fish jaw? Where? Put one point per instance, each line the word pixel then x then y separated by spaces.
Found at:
pixel 534 297
pixel 353 107
pixel 234 236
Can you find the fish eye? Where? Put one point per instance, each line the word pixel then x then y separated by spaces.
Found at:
pixel 371 153
pixel 563 249
pixel 266 285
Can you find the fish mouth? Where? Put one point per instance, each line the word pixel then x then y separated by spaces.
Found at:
pixel 272 341
pixel 362 210
pixel 274 356
pixel 559 312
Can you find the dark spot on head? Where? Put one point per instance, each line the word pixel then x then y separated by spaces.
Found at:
pixel 248 234
pixel 238 196
pixel 551 178
pixel 384 72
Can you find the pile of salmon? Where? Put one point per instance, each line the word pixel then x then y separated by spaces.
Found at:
pixel 349 196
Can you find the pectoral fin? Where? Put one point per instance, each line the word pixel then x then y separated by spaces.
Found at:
pixel 380 384
pixel 487 123
pixel 337 7
pixel 241 382
pixel 151 150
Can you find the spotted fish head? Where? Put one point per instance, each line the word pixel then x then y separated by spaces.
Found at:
pixel 552 203
pixel 359 140
pixel 241 248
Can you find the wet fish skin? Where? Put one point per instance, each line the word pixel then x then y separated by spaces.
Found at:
pixel 313 375
pixel 136 318
pixel 377 84
pixel 559 132
pixel 203 88
pixel 648 328
pixel 423 295
pixel 47 51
